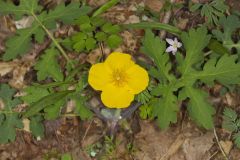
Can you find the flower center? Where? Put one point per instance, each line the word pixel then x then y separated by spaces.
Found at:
pixel 119 77
pixel 175 45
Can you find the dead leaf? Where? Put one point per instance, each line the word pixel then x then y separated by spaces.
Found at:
pixel 155 5
pixel 174 147
pixel 227 146
pixel 96 3
pixel 197 147
pixel 1 104
pixel 70 106
pixel 6 67
pixel 25 22
pixel 129 42
pixel 152 143
pixel 18 74
pixel 182 23
pixel 26 125
pixel 132 19
pixel 94 56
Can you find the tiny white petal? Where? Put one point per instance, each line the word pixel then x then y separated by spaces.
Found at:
pixel 174 50
pixel 179 44
pixel 144 18
pixel 170 49
pixel 170 41
pixel 38 138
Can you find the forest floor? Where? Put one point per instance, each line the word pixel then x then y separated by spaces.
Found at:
pixel 135 139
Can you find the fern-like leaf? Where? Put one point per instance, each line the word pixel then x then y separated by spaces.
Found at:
pixel 165 108
pixel 48 66
pixel 236 138
pixel 9 120
pixel 226 70
pixel 155 48
pixel 199 109
pixel 229 120
pixel 194 42
pixel 230 24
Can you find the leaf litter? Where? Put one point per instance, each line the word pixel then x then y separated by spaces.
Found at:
pixel 65 135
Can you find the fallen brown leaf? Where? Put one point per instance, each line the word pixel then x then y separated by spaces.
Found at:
pixel 197 148
pixel 227 146
pixel 6 67
pixel 155 5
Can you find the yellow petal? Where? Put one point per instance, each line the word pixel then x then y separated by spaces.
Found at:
pixel 138 78
pixel 117 60
pixel 116 97
pixel 99 76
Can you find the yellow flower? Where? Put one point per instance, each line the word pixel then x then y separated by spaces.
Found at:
pixel 119 79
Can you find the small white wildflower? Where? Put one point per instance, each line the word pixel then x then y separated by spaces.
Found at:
pixel 174 45
pixel 144 18
pixel 38 138
pixel 93 153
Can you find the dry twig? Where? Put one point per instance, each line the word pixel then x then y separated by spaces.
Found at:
pixel 219 145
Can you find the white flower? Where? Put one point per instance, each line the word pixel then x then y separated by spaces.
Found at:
pixel 174 45
pixel 144 18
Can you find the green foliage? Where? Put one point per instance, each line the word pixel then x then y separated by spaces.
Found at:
pixel 43 97
pixel 231 122
pixel 46 101
pixel 194 42
pixel 183 83
pixel 53 111
pixel 81 109
pixel 144 97
pixel 48 66
pixel 153 25
pixel 199 108
pixel 33 94
pixel 105 7
pixel 145 111
pixel 224 70
pixel 9 119
pixel 230 119
pixel 211 11
pixel 230 25
pixel 66 156
pixel 93 30
pixel 165 108
pixel 36 126
pixel 155 49
pixel 43 21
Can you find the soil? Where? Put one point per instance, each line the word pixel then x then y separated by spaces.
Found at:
pixel 135 139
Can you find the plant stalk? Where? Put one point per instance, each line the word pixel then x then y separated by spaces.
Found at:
pixel 54 40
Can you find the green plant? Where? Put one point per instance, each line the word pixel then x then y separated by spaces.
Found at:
pixel 231 122
pixel 229 25
pixel 66 156
pixel 9 119
pixel 211 11
pixel 93 30
pixel 184 82
pixel 93 149
pixel 110 146
pixel 43 22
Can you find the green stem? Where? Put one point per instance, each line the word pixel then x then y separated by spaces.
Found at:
pixel 7 112
pixel 54 40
